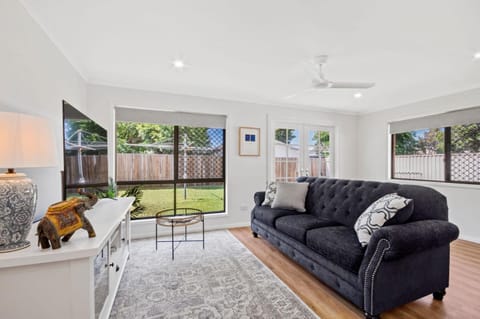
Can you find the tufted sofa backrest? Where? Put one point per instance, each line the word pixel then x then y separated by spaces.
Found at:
pixel 344 200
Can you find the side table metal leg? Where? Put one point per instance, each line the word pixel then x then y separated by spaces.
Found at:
pixel 173 245
pixel 185 232
pixel 203 232
pixel 156 236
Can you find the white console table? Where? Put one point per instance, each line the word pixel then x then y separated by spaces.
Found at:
pixel 77 281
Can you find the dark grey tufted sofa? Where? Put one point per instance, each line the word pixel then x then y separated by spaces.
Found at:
pixel 402 262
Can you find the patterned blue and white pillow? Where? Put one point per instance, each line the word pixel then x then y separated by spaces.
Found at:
pixel 378 214
pixel 270 193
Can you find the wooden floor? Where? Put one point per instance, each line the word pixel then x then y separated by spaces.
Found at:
pixel 462 299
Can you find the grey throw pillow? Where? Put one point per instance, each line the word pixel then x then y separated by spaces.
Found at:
pixel 291 196
pixel 377 214
pixel 270 194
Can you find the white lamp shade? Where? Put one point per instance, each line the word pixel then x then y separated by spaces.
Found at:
pixel 26 141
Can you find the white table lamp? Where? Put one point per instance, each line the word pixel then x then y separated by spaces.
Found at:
pixel 25 141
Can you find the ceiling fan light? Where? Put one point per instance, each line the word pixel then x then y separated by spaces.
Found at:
pixel 358 95
pixel 178 64
pixel 476 56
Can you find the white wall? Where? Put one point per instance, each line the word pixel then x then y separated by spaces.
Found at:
pixel 245 175
pixel 373 155
pixel 34 78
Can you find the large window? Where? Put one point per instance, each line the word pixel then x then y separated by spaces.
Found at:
pixel 449 153
pixel 175 166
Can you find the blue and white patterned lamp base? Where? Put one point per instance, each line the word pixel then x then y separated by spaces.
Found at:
pixel 15 246
pixel 18 199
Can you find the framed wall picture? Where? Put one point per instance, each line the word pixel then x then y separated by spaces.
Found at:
pixel 249 141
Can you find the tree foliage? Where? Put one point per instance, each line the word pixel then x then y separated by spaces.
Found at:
pixel 322 140
pixel 405 143
pixel 91 134
pixel 155 138
pixel 284 135
pixel 143 137
pixel 194 136
pixel 95 131
pixel 432 142
pixel 429 141
pixel 466 138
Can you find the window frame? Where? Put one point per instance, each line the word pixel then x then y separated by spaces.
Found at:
pixel 447 161
pixel 176 179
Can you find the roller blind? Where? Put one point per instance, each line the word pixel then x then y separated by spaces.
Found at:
pixel 460 117
pixel 124 114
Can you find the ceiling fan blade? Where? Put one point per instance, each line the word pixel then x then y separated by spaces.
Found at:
pixel 351 85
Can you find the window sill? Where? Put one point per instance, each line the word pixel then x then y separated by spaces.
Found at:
pixel 434 184
pixel 216 215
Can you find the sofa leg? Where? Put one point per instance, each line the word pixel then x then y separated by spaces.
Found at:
pixel 254 234
pixel 369 316
pixel 438 295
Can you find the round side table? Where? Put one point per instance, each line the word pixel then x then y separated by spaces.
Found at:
pixel 171 218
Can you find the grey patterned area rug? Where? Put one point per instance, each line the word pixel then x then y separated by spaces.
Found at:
pixel 223 281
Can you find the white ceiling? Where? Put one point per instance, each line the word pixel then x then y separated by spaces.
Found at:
pixel 258 50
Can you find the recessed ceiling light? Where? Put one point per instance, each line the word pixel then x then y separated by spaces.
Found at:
pixel 357 95
pixel 476 56
pixel 178 64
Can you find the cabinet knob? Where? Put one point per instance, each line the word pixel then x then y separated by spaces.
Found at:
pixel 112 264
pixel 117 268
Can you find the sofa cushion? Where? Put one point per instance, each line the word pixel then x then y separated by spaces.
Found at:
pixel 291 196
pixel 339 244
pixel 375 216
pixel 270 193
pixel 296 226
pixel 268 215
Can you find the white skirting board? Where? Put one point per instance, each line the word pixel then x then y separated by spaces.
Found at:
pixel 470 238
pixel 146 228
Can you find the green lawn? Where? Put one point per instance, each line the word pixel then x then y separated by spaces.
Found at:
pixel 205 198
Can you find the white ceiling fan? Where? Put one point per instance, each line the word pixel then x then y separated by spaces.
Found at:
pixel 319 80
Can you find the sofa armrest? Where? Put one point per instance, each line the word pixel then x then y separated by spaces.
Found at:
pixel 411 238
pixel 393 259
pixel 259 197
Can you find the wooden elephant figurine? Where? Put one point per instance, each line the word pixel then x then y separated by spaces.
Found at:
pixel 63 219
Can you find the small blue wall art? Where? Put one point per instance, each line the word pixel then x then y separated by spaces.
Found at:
pixel 249 141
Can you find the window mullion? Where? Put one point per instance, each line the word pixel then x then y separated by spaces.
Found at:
pixel 448 154
pixel 175 167
pixel 392 158
pixel 224 158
